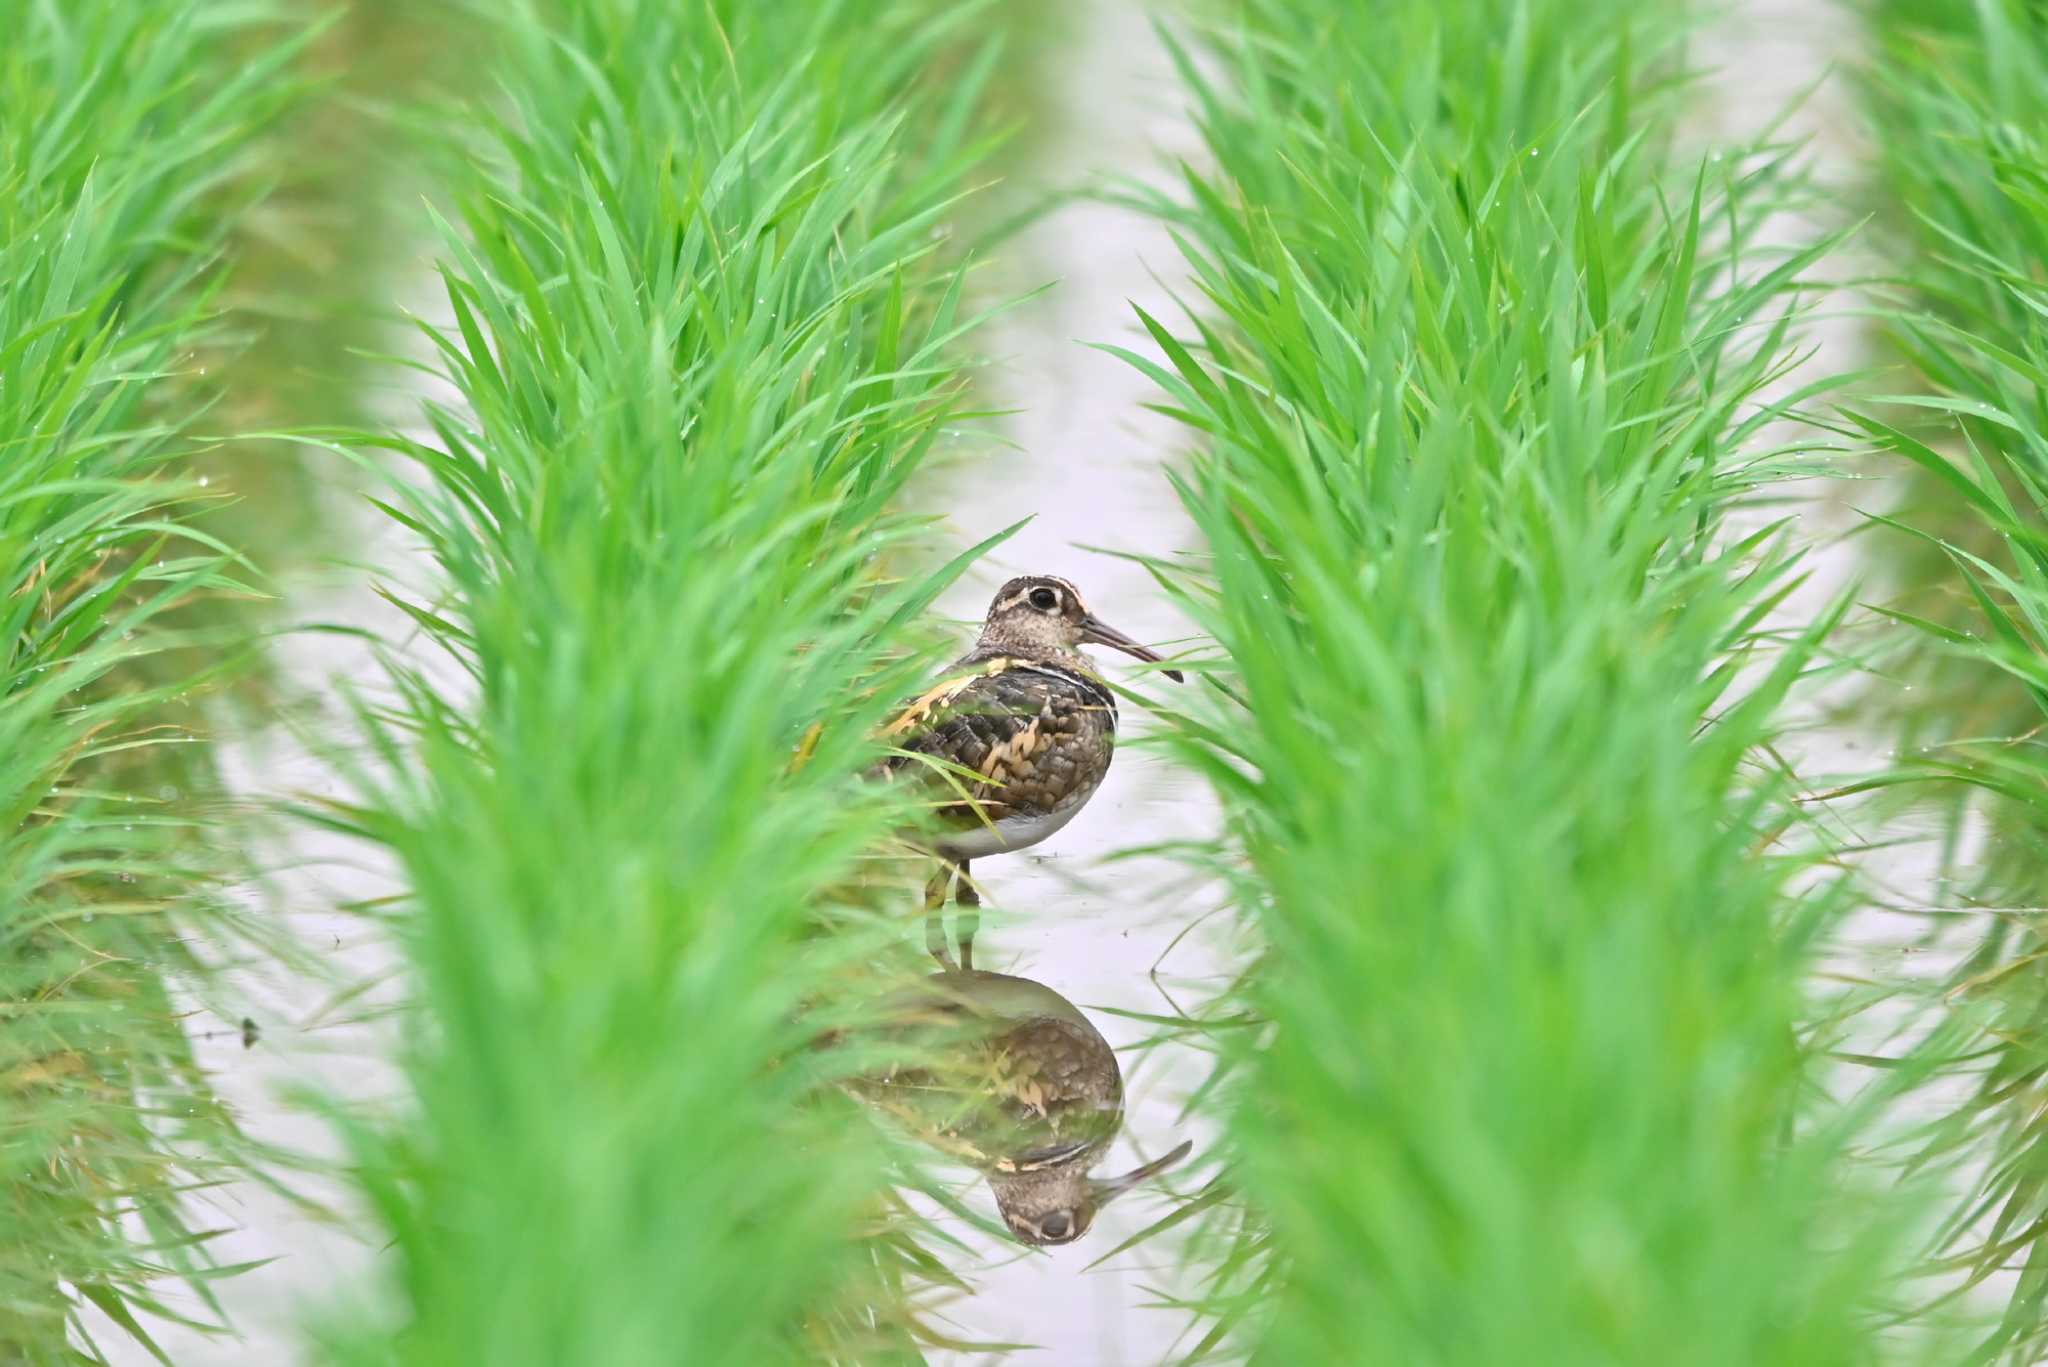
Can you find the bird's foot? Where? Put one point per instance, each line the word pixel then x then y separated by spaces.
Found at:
pixel 968 923
pixel 935 920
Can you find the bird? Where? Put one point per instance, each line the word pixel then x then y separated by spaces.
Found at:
pixel 1012 741
pixel 1007 1075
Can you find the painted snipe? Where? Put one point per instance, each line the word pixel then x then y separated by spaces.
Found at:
pixel 1007 1075
pixel 1024 728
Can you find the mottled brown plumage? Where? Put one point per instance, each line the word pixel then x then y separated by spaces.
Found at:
pixel 1007 1075
pixel 1016 737
pixel 1035 738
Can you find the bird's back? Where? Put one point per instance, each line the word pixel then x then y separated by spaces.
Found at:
pixel 1035 737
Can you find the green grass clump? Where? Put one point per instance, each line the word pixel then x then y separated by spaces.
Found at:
pixel 1954 90
pixel 1958 92
pixel 701 336
pixel 125 159
pixel 1480 371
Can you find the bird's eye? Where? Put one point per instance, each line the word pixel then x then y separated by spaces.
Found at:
pixel 1055 1225
pixel 1045 600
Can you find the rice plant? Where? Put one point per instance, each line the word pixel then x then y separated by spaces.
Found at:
pixel 1958 92
pixel 125 158
pixel 702 332
pixel 1478 369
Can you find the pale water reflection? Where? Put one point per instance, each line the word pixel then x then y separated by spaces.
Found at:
pixel 1009 1077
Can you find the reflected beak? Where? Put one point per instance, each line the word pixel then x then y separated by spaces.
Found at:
pixel 1105 1192
pixel 1095 631
pixel 1052 1157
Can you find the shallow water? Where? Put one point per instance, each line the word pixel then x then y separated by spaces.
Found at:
pixel 1089 469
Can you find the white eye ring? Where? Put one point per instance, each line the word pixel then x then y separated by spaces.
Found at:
pixel 1044 599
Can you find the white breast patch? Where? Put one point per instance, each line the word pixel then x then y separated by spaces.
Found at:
pixel 1010 833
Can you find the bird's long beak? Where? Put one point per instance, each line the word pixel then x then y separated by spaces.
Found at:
pixel 1106 1191
pixel 1095 631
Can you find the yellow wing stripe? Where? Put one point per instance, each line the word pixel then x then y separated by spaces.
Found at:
pixel 937 696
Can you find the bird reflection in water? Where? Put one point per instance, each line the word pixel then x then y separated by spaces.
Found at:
pixel 1010 1077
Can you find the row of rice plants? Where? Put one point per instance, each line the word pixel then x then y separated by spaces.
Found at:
pixel 1958 91
pixel 129 152
pixel 1480 370
pixel 701 333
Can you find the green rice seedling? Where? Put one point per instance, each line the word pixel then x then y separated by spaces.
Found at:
pixel 701 335
pixel 1479 370
pixel 125 139
pixel 1949 77
pixel 1958 93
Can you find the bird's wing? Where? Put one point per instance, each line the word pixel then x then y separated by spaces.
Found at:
pixel 932 706
pixel 1013 1096
pixel 994 723
pixel 1058 1087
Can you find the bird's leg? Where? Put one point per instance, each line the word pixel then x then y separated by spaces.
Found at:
pixel 935 917
pixel 968 922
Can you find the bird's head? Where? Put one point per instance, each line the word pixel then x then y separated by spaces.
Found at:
pixel 1042 614
pixel 1056 1202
